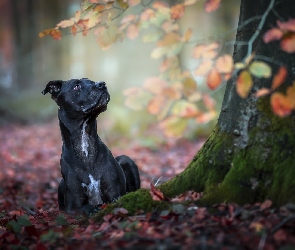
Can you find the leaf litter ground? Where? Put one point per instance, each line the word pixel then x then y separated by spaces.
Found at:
pixel 29 216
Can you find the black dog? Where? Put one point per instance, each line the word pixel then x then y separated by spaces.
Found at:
pixel 91 175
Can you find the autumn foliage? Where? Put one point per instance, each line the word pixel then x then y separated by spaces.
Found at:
pixel 174 95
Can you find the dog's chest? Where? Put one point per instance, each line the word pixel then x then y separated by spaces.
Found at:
pixel 93 191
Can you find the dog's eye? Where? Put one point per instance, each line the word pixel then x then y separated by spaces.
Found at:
pixel 77 87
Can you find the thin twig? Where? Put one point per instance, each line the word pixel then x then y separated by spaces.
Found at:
pixel 253 38
pixel 277 227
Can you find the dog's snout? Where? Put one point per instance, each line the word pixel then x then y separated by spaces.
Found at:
pixel 101 85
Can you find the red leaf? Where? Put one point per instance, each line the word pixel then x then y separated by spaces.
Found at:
pixel 272 35
pixel 288 43
pixel 281 105
pixel 265 205
pixel 289 25
pixel 279 78
pixel 156 194
pixel 211 5
pixel 177 11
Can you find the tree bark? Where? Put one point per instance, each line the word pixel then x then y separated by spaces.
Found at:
pixel 249 156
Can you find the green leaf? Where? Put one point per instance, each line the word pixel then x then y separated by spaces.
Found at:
pixel 50 236
pixel 14 226
pixel 123 5
pixel 152 37
pixel 178 209
pixel 61 220
pixel 260 69
pixel 174 126
pixel 184 109
pixel 24 221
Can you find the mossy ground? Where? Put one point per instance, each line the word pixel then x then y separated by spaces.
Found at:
pixel 264 169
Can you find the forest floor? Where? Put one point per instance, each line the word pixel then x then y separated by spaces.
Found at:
pixel 29 216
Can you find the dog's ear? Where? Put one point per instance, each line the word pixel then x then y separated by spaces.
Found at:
pixel 53 87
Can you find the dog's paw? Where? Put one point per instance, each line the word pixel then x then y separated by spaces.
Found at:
pixel 90 210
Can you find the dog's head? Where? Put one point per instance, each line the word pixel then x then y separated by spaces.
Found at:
pixel 79 97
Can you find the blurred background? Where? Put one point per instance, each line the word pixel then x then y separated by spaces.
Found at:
pixel 28 63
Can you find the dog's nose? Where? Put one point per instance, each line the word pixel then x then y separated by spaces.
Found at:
pixel 100 85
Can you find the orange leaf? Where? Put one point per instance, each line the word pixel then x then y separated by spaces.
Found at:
pixel 160 5
pixel 213 79
pixel 170 26
pixel 281 105
pixel 205 117
pixel 187 35
pixel 209 102
pixel 169 39
pixel 262 92
pixel 133 2
pixel 244 84
pixel 147 15
pixel 156 105
pixel 224 64
pixel 203 68
pixel 177 11
pixel 288 43
pixel 211 5
pixel 189 86
pixel 99 8
pixel 206 51
pixel 132 32
pixel 272 35
pixel 156 194
pixel 169 63
pixel 45 33
pixel 154 85
pixel 265 205
pixel 279 78
pixel 171 92
pixel 74 30
pixel 185 109
pixel 56 34
pixel 291 95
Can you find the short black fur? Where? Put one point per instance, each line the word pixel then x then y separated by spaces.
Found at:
pixel 91 175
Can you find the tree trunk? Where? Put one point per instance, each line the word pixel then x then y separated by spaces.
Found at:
pixel 249 156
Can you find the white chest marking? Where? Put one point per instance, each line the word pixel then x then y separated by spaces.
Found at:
pixel 93 191
pixel 84 139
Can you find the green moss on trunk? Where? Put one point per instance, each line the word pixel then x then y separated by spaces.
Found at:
pixel 265 168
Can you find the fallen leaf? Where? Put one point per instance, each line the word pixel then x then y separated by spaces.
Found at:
pixel 156 194
pixel 265 205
